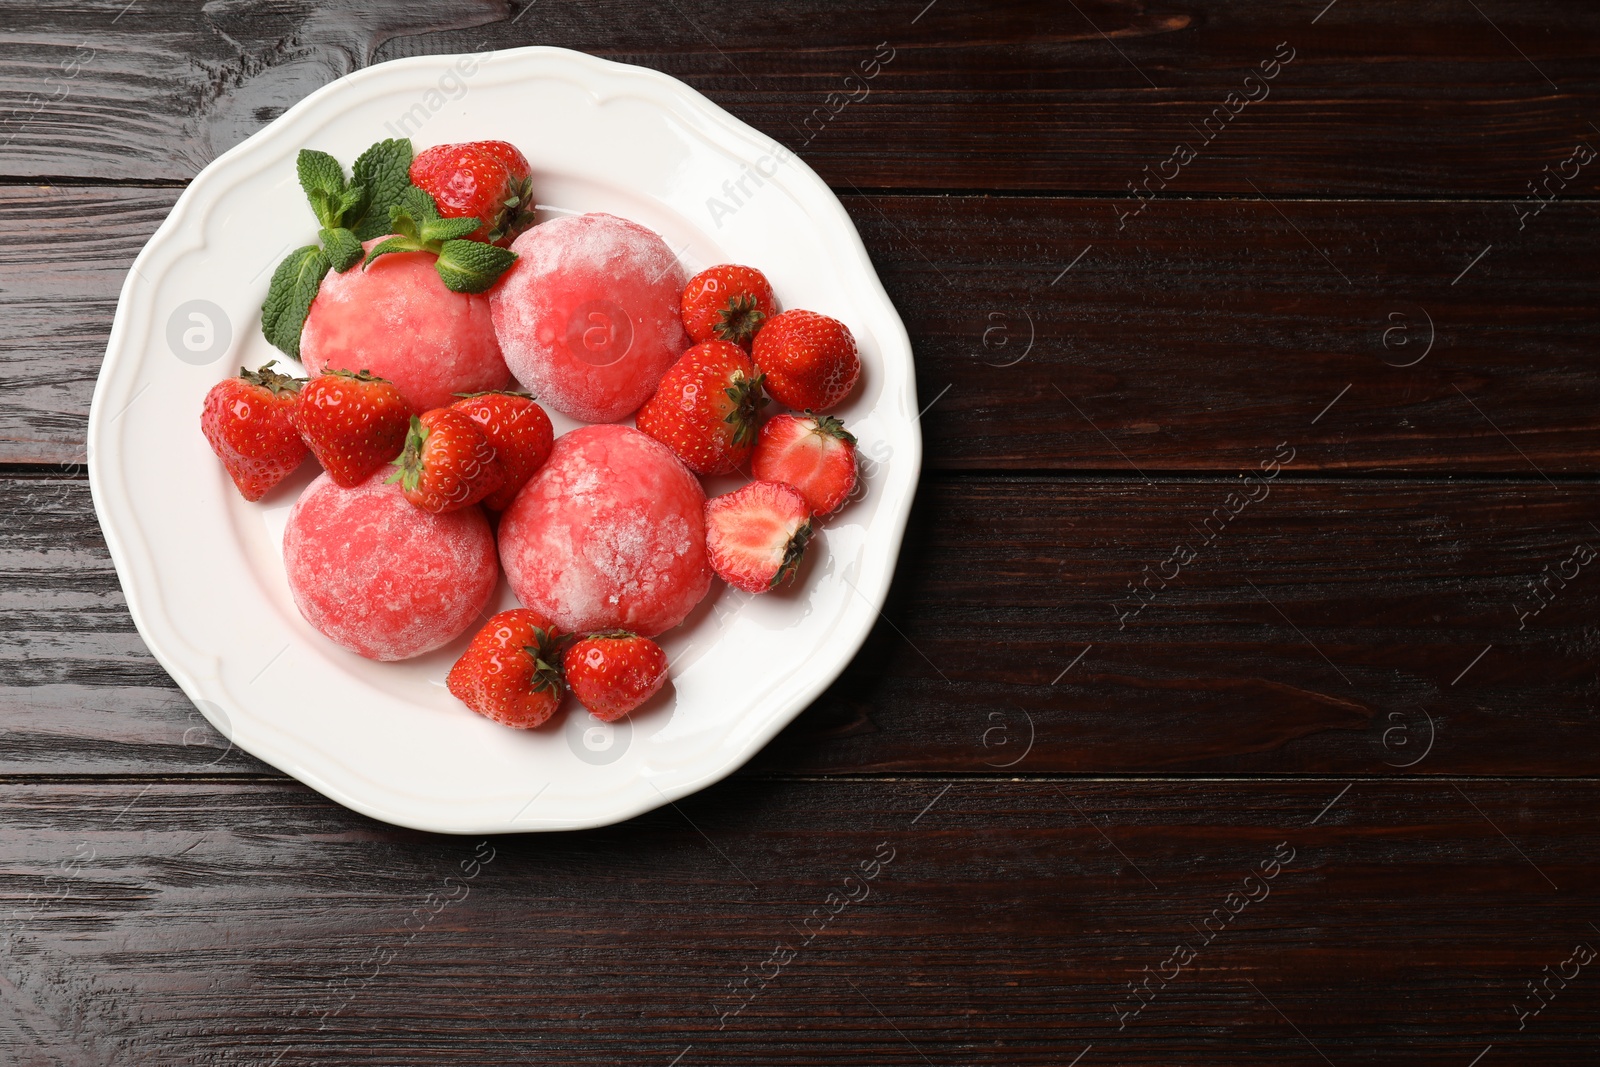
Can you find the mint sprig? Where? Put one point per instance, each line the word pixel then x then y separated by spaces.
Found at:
pixel 472 266
pixel 348 212
pixel 294 286
pixel 464 266
pixel 352 211
pixel 342 246
pixel 384 171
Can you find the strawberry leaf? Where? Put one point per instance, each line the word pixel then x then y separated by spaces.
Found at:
pixel 472 266
pixel 409 461
pixel 828 426
pixel 294 286
pixel 384 172
pixel 344 251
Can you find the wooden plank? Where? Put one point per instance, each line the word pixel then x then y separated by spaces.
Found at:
pixel 993 922
pixel 1348 627
pixel 1199 335
pixel 1024 95
pixel 1195 338
pixel 58 295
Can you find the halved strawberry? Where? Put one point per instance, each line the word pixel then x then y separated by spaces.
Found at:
pixel 612 673
pixel 354 423
pixel 756 536
pixel 520 432
pixel 705 408
pixel 247 421
pixel 448 464
pixel 814 454
pixel 508 672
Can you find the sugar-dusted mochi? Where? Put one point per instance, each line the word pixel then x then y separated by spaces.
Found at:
pixel 380 576
pixel 396 319
pixel 588 316
pixel 610 534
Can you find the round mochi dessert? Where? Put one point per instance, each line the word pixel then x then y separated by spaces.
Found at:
pixel 610 534
pixel 380 576
pixel 396 319
pixel 588 316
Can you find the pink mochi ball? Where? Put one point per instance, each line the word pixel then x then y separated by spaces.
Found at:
pixel 380 576
pixel 588 317
pixel 610 534
pixel 396 319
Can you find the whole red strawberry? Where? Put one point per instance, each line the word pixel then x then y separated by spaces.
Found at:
pixel 520 432
pixel 814 454
pixel 727 303
pixel 705 408
pixel 810 360
pixel 614 672
pixel 448 464
pixel 354 423
pixel 486 180
pixel 508 672
pixel 247 421
pixel 756 536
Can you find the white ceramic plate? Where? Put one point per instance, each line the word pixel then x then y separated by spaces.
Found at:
pixel 202 569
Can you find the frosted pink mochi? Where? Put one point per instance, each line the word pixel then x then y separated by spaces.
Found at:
pixel 588 316
pixel 382 577
pixel 396 319
pixel 610 534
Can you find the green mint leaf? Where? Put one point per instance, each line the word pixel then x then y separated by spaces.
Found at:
pixel 384 170
pixel 352 203
pixel 395 244
pixel 322 178
pixel 344 251
pixel 472 266
pixel 294 286
pixel 403 224
pixel 414 211
pixel 418 204
pixel 448 229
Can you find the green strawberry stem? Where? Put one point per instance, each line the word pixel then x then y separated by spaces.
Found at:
pixel 546 649
pixel 515 214
pixel 828 426
pixel 410 458
pixel 793 553
pixel 271 380
pixel 748 400
pixel 739 320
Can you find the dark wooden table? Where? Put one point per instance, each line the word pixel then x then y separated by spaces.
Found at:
pixel 1237 696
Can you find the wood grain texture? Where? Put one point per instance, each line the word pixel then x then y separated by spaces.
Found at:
pixel 1380 98
pixel 1195 337
pixel 946 859
pixel 994 922
pixel 1321 628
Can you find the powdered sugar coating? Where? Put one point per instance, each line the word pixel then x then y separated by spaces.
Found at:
pixel 396 319
pixel 610 534
pixel 588 316
pixel 382 577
